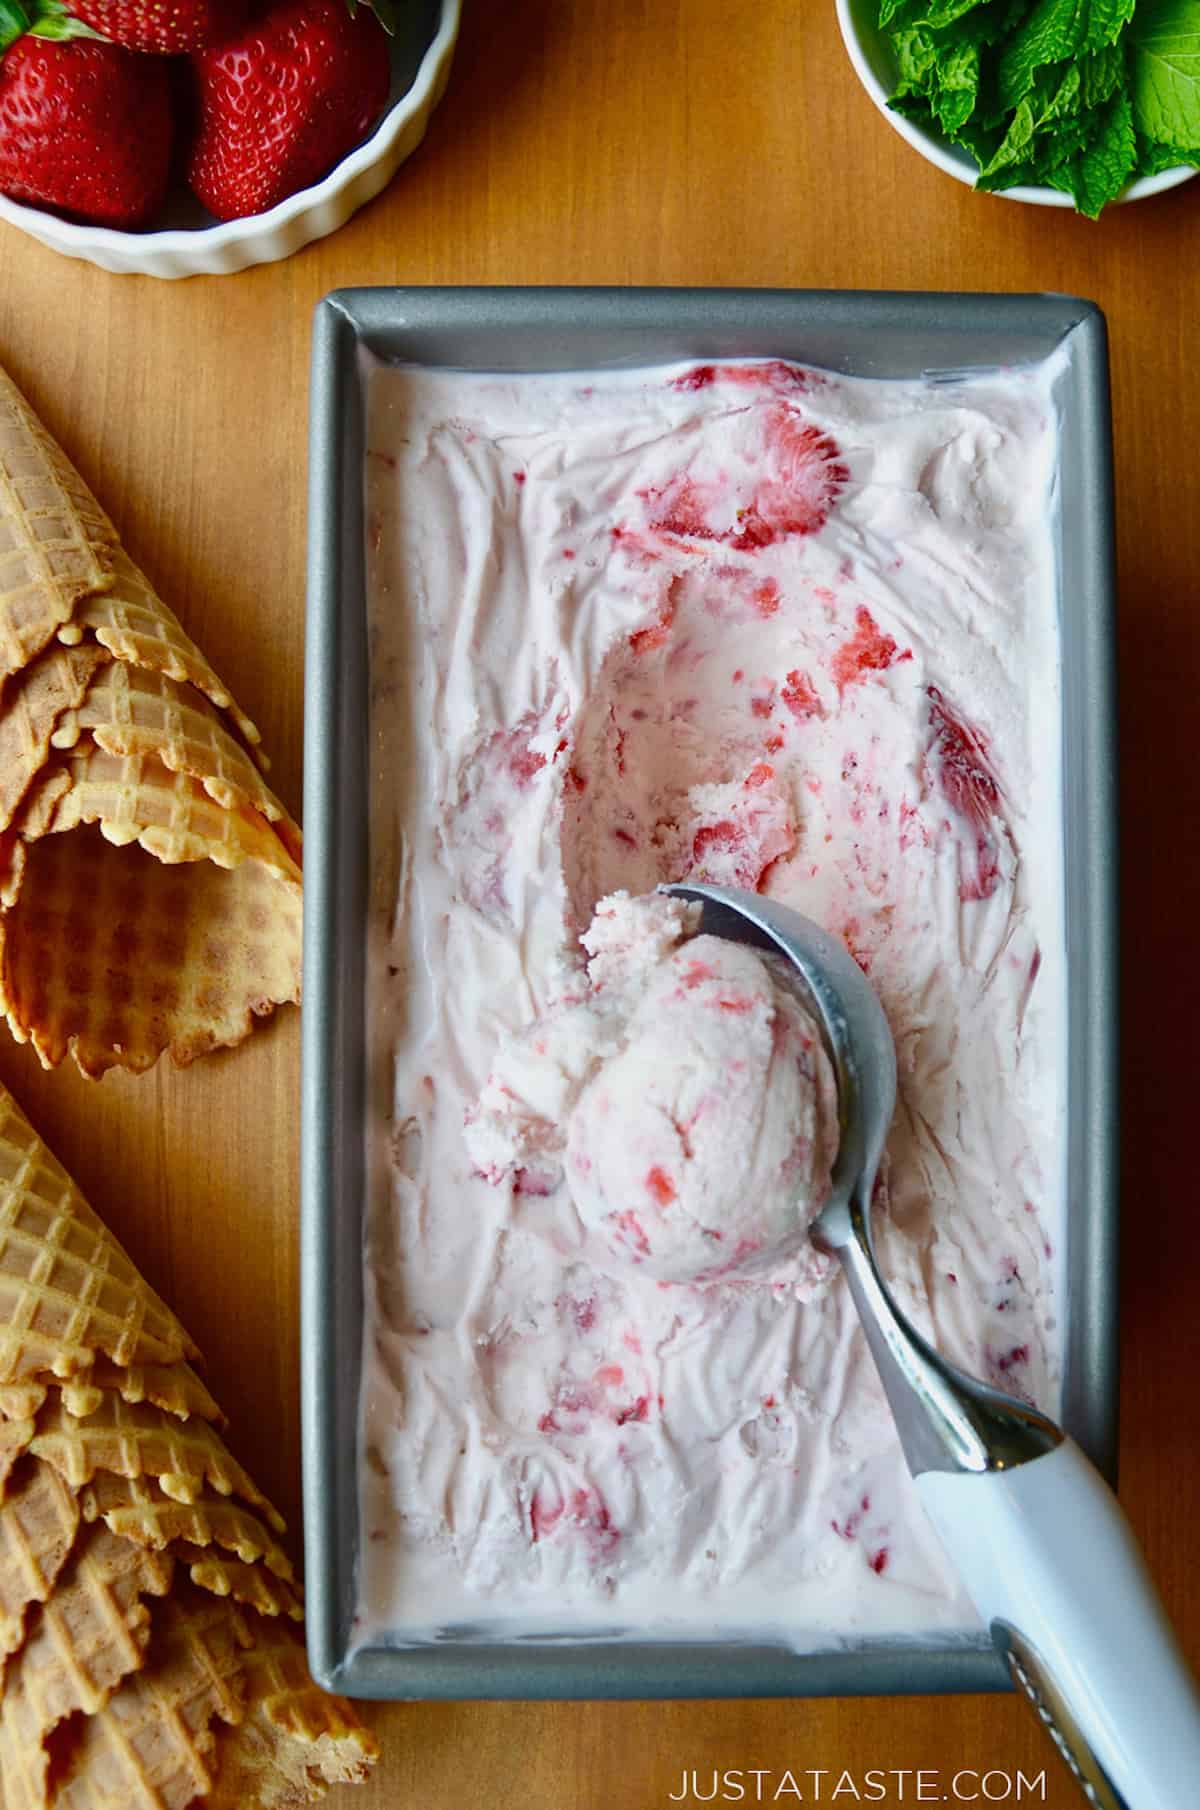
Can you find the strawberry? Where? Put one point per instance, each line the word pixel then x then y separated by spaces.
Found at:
pixel 283 101
pixel 85 127
pixel 164 26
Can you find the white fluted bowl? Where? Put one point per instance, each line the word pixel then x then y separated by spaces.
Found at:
pixel 192 245
pixel 875 66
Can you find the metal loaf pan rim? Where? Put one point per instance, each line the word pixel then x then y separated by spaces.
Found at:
pixel 871 333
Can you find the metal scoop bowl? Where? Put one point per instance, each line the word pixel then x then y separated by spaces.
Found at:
pixel 1038 1537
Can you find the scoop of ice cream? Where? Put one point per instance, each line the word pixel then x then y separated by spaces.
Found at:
pixel 684 1098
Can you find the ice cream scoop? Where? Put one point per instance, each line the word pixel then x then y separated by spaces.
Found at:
pixel 685 1097
pixel 1037 1535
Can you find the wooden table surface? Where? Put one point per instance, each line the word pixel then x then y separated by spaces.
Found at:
pixel 625 141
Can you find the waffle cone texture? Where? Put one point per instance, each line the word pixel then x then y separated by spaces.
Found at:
pixel 151 1656
pixel 150 886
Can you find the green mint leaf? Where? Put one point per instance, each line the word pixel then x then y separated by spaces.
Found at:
pixel 1101 74
pixel 1154 157
pixel 1067 98
pixel 897 12
pixel 1015 176
pixel 941 13
pixel 915 59
pixel 1084 85
pixel 1053 32
pixel 1061 178
pixel 1102 169
pixel 981 141
pixel 915 107
pixel 1057 147
pixel 1107 19
pixel 995 21
pixel 956 87
pixel 1166 70
pixel 1017 144
pixel 976 20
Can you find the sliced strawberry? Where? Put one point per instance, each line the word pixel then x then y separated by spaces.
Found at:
pixel 969 786
pixel 85 129
pixel 284 100
pixel 167 27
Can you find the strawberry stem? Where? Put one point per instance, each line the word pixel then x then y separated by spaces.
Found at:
pixel 14 23
pixel 41 19
pixel 384 10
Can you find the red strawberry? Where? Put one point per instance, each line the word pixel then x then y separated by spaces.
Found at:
pixel 167 26
pixel 85 129
pixel 283 101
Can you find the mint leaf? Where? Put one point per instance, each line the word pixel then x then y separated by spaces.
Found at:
pixel 1103 167
pixel 1066 139
pixel 1101 74
pixel 981 141
pixel 976 21
pixel 1067 97
pixel 1077 94
pixel 1015 147
pixel 915 59
pixel 1107 19
pixel 940 13
pixel 1153 157
pixel 898 12
pixel 1083 86
pixel 995 20
pixel 1166 70
pixel 915 107
pixel 956 86
pixel 1014 177
pixel 1053 32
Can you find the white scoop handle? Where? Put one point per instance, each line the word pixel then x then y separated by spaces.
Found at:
pixel 1053 1568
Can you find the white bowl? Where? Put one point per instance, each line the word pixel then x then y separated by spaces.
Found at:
pixel 192 245
pixel 875 67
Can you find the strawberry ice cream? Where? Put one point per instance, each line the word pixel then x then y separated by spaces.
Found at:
pixel 767 627
pixel 682 1104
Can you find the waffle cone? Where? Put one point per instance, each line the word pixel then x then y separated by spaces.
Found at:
pixel 150 1747
pixel 252 1585
pixel 132 712
pixel 68 1292
pixel 21 1401
pixel 148 1652
pixel 15 1437
pixel 111 715
pixel 131 622
pixel 138 1509
pixel 138 1440
pixel 137 799
pixel 90 1634
pixel 35 703
pixel 64 573
pixel 56 543
pixel 112 957
pixel 175 1387
pixel 39 1519
pixel 294 1740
